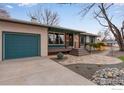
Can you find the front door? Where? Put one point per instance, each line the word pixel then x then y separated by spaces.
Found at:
pixel 82 40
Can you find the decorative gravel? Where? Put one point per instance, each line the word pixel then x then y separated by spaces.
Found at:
pixel 109 76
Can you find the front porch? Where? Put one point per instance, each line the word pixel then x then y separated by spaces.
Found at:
pixel 60 40
pixel 68 41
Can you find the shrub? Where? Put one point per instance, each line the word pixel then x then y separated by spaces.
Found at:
pixel 96 45
pixel 60 55
pixel 101 44
pixel 90 44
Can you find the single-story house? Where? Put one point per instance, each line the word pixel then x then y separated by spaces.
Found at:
pixel 20 39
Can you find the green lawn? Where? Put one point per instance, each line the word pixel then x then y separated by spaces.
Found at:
pixel 121 58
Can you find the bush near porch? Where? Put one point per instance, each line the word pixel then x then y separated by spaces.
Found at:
pixel 100 46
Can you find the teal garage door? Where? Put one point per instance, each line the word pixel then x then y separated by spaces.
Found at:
pixel 20 45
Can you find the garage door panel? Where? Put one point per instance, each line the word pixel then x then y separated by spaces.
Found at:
pixel 18 45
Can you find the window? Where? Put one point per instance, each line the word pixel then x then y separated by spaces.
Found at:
pixel 87 39
pixel 55 38
pixel 82 40
pixel 51 38
pixel 61 39
pixel 91 39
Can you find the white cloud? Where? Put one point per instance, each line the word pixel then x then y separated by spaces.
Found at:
pixel 118 11
pixel 27 4
pixel 119 4
pixel 9 6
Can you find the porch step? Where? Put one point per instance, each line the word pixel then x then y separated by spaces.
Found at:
pixel 57 50
pixel 79 52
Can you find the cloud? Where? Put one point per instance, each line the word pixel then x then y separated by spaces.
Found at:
pixel 119 4
pixel 27 4
pixel 118 11
pixel 9 6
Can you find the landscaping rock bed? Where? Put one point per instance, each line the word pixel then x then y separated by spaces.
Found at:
pixel 109 76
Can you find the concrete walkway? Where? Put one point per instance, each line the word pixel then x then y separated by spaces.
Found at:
pixel 89 59
pixel 38 71
pixel 98 58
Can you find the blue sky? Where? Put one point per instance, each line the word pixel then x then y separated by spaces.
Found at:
pixel 69 16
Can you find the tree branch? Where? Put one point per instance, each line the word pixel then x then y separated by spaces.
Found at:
pixel 45 16
pixel 100 22
pixel 84 11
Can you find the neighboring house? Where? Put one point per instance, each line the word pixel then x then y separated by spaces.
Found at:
pixel 20 39
pixel 110 42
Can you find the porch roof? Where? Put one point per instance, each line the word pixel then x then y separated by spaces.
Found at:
pixel 89 34
pixel 62 29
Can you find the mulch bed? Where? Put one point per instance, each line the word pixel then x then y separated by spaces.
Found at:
pixel 87 70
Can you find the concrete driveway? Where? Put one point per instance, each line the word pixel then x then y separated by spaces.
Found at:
pixel 38 71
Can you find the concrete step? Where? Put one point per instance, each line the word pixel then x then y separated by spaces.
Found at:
pixel 79 52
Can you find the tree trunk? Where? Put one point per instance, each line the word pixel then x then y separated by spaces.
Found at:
pixel 121 46
pixel 115 31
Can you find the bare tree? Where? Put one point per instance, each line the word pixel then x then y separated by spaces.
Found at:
pixel 45 16
pixel 104 35
pixel 104 19
pixel 4 13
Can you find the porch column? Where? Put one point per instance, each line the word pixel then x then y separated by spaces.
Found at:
pixel 84 41
pixel 76 41
pixel 79 41
pixel 65 40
